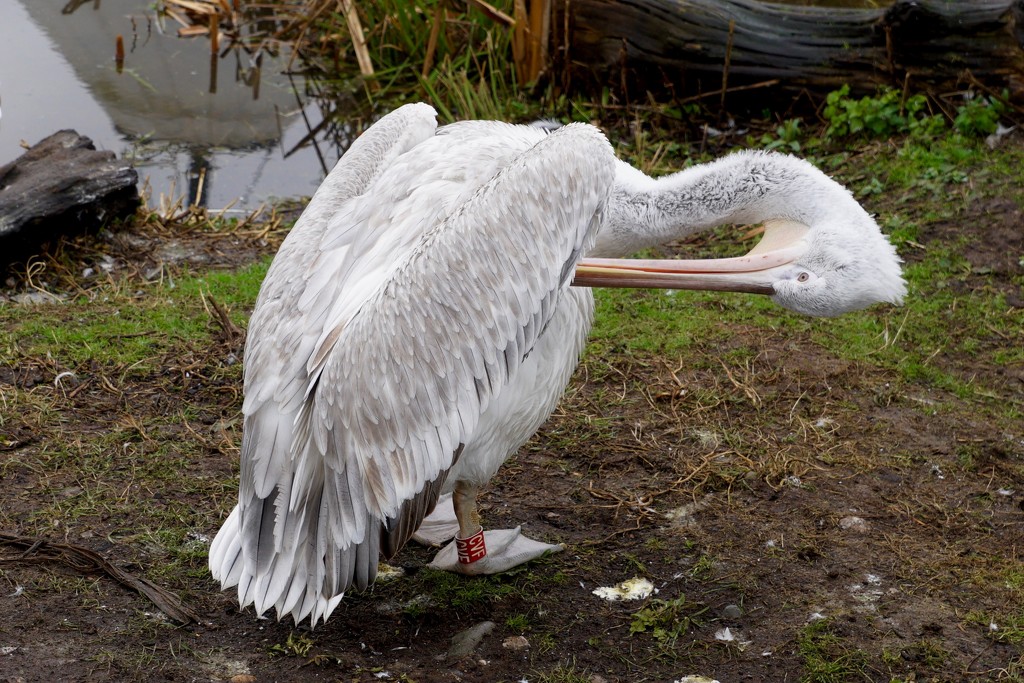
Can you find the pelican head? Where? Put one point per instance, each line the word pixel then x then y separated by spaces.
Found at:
pixel 841 271
pixel 834 261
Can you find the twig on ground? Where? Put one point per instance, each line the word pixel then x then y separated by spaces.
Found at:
pixel 86 561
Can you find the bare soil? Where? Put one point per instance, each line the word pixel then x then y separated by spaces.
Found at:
pixel 798 488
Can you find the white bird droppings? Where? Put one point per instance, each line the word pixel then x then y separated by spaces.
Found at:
pixel 385 572
pixel 630 589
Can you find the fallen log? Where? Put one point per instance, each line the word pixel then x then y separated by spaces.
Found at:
pixel 704 46
pixel 61 186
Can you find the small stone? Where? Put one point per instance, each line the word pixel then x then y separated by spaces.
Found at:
pixel 515 643
pixel 465 642
pixel 243 678
pixel 852 523
pixel 732 612
pixel 597 678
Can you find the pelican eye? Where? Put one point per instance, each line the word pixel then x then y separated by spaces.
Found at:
pixel 803 277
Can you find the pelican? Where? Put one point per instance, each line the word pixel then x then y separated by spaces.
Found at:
pixel 418 325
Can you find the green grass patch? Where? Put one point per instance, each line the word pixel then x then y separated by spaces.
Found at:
pixel 1003 626
pixel 563 673
pixel 132 332
pixel 453 591
pixel 826 658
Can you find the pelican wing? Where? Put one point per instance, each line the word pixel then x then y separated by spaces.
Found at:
pixel 259 546
pixel 375 348
pixel 400 385
pixel 283 329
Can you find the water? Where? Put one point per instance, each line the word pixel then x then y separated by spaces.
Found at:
pixel 843 4
pixel 167 110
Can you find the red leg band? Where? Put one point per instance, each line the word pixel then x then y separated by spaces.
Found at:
pixel 471 549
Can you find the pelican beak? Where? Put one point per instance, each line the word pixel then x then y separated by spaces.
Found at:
pixel 756 272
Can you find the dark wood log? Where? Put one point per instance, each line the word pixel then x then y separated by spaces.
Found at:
pixel 694 46
pixel 62 185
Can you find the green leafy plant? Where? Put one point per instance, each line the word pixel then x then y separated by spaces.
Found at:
pixel 666 620
pixel 979 116
pixel 887 113
pixel 453 591
pixel 297 645
pixel 892 112
pixel 786 139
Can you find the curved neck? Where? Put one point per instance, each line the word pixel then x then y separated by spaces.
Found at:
pixel 745 187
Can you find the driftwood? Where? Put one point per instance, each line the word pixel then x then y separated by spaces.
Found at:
pixel 62 185
pixel 706 46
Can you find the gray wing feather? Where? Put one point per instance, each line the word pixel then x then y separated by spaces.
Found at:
pixel 399 529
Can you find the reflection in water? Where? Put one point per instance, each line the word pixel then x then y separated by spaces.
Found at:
pixel 215 129
pixel 851 4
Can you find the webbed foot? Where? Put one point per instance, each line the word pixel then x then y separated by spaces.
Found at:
pixel 491 552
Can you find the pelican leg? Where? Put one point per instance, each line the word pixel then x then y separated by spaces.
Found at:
pixel 475 551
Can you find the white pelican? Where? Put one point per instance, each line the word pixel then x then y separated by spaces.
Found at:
pixel 417 326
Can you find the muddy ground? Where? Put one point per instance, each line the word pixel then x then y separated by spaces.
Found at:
pixel 843 522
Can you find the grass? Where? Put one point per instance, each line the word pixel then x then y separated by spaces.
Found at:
pixel 457 58
pixel 452 591
pixel 826 658
pixel 1003 626
pixel 564 673
pixel 129 331
pixel 518 623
